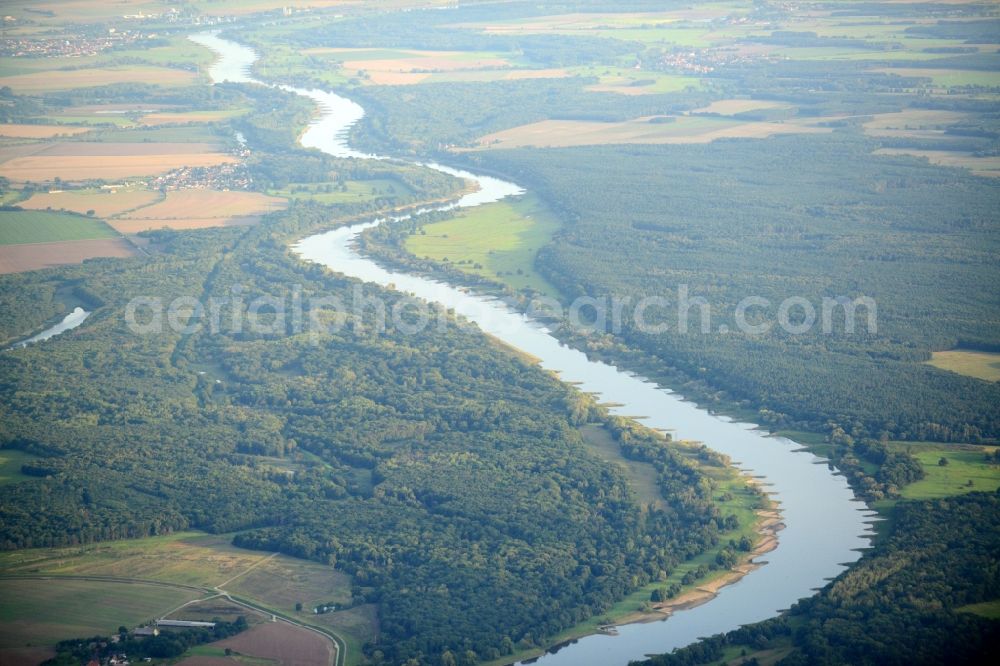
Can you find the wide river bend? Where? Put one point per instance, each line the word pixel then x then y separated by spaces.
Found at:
pixel 824 524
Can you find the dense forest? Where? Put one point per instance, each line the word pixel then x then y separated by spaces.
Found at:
pixel 446 476
pixel 743 218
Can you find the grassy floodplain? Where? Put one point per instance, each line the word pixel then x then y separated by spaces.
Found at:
pixel 498 241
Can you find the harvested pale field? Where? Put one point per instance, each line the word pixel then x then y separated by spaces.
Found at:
pixel 46 168
pixel 563 133
pixel 397 78
pixel 982 365
pixel 95 149
pixel 622 89
pixel 730 107
pixel 116 109
pixel 914 124
pixel 20 258
pixel 438 62
pixel 980 166
pixel 239 7
pixel 155 119
pixel 130 226
pixel 104 203
pixel 198 209
pixel 571 22
pixel 410 67
pixel 40 82
pixel 499 75
pixel 19 131
pixel 286 644
pixel 109 161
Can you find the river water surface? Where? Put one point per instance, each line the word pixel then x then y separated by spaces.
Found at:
pixel 824 524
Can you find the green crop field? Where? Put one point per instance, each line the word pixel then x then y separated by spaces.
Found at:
pixel 498 241
pixel 43 612
pixel 19 227
pixel 354 191
pixel 196 134
pixel 965 464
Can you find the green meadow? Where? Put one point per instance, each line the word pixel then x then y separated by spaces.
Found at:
pixel 43 612
pixel 498 241
pixel 965 465
pixel 352 191
pixel 18 227
pixel 10 465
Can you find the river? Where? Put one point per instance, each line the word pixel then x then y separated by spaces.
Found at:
pixel 824 525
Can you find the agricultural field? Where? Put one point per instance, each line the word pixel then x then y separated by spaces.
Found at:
pixel 410 67
pixel 207 561
pixel 34 83
pixel 110 115
pixel 350 191
pixel 914 123
pixel 656 130
pixel 356 626
pixel 21 227
pixel 187 558
pixel 926 126
pixel 22 131
pixel 283 582
pixel 732 107
pixel 988 167
pixel 188 117
pixel 278 642
pixel 680 27
pixel 948 78
pixel 498 241
pixel 965 464
pixel 198 209
pixel 630 81
pixel 104 202
pixel 42 612
pixel 110 161
pixel 982 365
pixel 35 256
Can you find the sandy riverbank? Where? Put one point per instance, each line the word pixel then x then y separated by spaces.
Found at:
pixel 768 525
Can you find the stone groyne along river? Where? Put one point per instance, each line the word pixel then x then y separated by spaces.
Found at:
pixel 824 524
